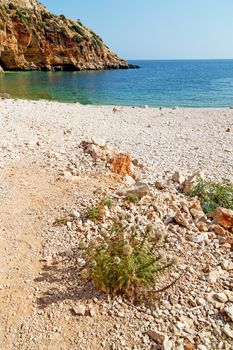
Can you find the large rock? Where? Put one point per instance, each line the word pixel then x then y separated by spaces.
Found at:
pixel 140 189
pixel 121 164
pixel 224 218
pixel 32 38
pixel 192 181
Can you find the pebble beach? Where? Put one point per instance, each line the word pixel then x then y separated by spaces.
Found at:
pixel 54 165
pixel 188 140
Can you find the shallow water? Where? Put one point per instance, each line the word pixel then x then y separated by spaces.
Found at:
pixel 187 83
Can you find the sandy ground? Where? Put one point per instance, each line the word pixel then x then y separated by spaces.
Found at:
pixel 37 135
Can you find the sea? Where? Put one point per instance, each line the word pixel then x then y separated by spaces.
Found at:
pixel 158 83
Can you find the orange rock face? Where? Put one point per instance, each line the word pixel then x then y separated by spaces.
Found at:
pixel 224 218
pixel 121 164
pixel 32 38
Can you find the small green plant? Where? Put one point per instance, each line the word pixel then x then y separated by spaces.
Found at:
pixel 78 38
pixel 213 194
pixel 41 24
pixel 78 30
pixel 94 213
pixel 108 203
pixel 123 258
pixel 63 30
pixel 12 6
pixel 132 198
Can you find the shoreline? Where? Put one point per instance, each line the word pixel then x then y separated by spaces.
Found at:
pixel 168 139
pixel 6 96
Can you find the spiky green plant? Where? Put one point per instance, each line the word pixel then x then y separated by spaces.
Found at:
pixel 133 198
pixel 123 258
pixel 94 213
pixel 108 203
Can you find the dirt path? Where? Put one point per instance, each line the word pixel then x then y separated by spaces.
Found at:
pixel 27 191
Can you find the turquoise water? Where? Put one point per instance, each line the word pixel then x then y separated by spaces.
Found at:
pixel 187 83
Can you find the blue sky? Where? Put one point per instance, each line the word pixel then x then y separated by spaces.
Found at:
pixel 157 29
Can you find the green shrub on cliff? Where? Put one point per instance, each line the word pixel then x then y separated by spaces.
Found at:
pixel 41 24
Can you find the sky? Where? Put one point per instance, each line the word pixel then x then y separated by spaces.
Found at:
pixel 157 29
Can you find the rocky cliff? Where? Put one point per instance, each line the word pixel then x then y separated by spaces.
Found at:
pixel 32 38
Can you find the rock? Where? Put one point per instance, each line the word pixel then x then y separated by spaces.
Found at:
pixel 229 295
pixel 140 189
pixel 129 180
pixel 229 311
pixel 188 345
pixel 178 177
pixel 221 297
pixel 168 344
pixel 180 325
pixel 202 226
pixel 121 164
pixel 224 218
pixel 93 311
pixel 227 265
pixel 4 95
pixel 75 214
pixel 211 298
pixel 181 220
pixel 228 331
pixel 213 276
pixel 197 213
pixel 192 181
pixel 158 337
pixel 79 309
pixel 219 230
pixel 203 236
pixel 202 347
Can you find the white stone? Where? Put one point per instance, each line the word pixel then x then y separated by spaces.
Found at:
pixel 229 295
pixel 167 344
pixel 229 311
pixel 79 309
pixel 221 297
pixel 129 180
pixel 202 347
pixel 213 276
pixel 228 331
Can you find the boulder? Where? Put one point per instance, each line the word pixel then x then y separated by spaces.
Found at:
pixel 181 220
pixel 158 337
pixel 192 181
pixel 224 218
pixel 140 189
pixel 121 164
pixel 178 177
